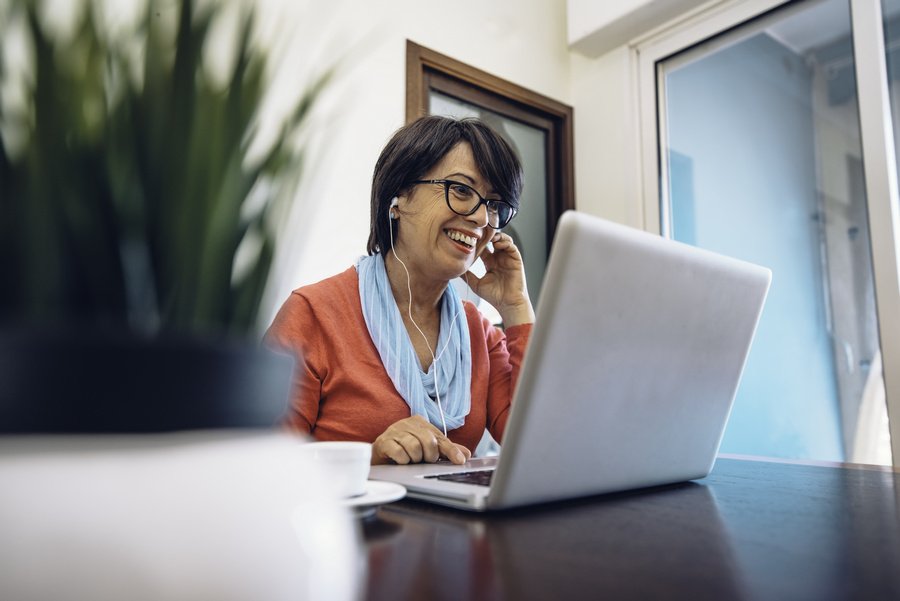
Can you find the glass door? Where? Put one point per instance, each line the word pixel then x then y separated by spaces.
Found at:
pixel 761 159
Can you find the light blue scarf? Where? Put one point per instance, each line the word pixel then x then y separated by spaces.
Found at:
pixel 399 358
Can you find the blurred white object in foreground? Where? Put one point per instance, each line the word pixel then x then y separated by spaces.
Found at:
pixel 212 515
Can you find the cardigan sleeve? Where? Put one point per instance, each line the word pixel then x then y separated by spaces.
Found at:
pixel 506 351
pixel 296 331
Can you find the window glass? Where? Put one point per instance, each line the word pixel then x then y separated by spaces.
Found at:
pixel 764 163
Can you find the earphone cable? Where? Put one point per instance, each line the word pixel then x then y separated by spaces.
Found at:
pixel 434 359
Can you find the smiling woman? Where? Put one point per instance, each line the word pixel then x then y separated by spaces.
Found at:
pixel 387 352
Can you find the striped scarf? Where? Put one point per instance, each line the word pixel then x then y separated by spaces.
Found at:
pixel 453 367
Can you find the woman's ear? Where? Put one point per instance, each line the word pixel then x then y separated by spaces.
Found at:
pixel 401 196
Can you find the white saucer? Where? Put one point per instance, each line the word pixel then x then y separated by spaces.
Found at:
pixel 377 493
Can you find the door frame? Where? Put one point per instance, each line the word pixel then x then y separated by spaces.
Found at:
pixel 427 69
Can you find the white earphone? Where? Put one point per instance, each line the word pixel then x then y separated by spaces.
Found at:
pixel 434 358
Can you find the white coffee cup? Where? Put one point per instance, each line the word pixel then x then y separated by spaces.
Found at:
pixel 345 465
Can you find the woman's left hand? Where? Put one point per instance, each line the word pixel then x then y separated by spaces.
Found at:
pixel 503 284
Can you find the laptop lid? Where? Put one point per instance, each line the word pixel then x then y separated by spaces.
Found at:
pixel 630 374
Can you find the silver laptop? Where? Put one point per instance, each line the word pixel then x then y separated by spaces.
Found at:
pixel 629 376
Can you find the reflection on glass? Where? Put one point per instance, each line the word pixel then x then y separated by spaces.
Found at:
pixel 765 164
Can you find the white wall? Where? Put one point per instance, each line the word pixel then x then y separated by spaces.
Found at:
pixel 597 27
pixel 607 168
pixel 523 41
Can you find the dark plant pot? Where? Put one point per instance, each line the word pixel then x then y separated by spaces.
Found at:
pixel 103 383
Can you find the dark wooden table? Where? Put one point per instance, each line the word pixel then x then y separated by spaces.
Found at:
pixel 751 530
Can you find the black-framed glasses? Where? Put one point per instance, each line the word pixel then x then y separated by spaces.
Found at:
pixel 465 200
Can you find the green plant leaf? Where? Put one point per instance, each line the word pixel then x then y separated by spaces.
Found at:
pixel 125 207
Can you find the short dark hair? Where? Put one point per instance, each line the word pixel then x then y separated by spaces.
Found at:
pixel 416 147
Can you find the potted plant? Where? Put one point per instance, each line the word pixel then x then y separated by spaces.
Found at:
pixel 138 222
pixel 137 229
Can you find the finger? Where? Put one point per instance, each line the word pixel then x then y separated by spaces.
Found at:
pixel 392 450
pixel 506 245
pixel 485 250
pixel 473 281
pixel 501 250
pixel 420 422
pixel 465 451
pixel 501 239
pixel 445 447
pixel 451 451
pixel 428 444
pixel 413 447
pixel 487 256
pixel 432 439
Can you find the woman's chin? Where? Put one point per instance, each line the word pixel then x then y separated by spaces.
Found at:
pixel 448 268
pixel 461 273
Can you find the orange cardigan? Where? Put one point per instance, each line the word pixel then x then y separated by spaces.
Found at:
pixel 341 390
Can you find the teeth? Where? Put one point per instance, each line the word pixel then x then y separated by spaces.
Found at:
pixel 460 237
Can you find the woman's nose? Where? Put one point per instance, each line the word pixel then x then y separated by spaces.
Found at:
pixel 480 216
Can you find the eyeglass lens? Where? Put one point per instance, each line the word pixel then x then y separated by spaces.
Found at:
pixel 464 200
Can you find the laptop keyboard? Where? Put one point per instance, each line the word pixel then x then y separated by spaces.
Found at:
pixel 479 477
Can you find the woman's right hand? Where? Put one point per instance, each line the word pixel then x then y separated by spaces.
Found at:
pixel 414 440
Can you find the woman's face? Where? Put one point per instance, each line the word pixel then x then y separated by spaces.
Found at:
pixel 427 226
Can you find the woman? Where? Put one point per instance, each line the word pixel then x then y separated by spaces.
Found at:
pixel 387 352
